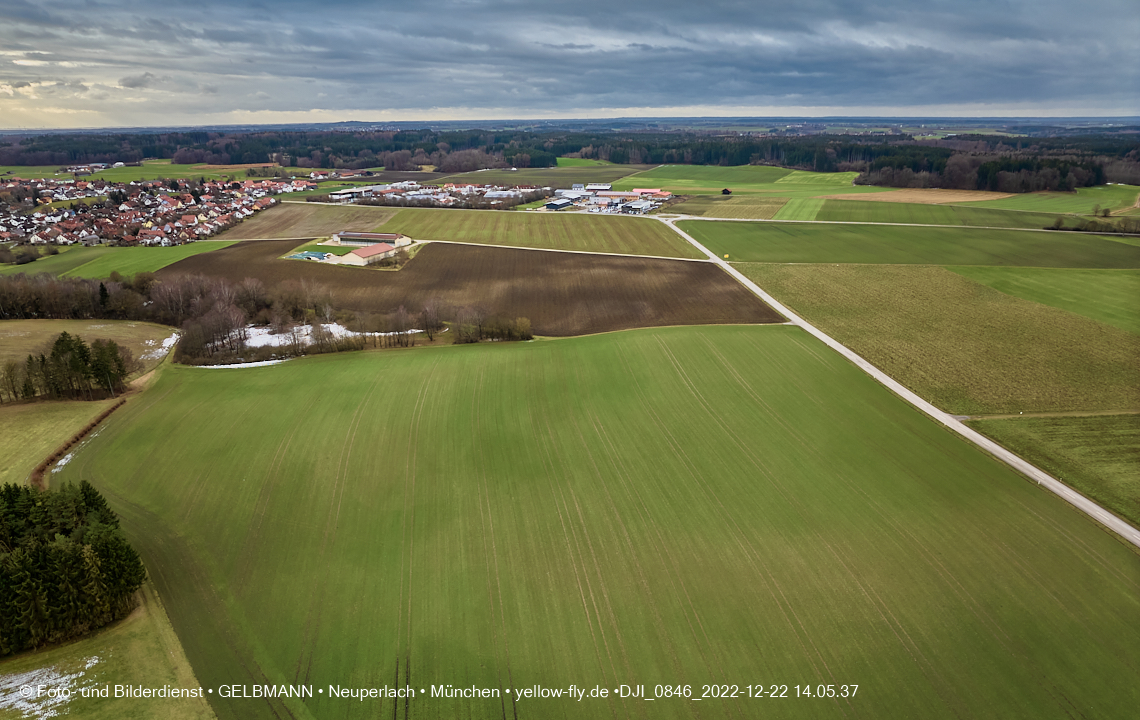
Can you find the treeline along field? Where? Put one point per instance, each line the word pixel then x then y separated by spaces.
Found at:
pixel 666 506
pixel 561 293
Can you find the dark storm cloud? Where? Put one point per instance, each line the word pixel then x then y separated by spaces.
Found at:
pixel 208 57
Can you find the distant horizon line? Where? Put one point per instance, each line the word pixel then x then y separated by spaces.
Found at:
pixel 971 119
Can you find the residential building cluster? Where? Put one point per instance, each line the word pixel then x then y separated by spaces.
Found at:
pixel 137 213
pixel 602 198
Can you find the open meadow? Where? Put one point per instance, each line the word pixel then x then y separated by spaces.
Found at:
pixel 965 347
pixel 1097 455
pixel 820 243
pixel 309 220
pixel 1083 200
pixel 561 293
pixel 20 338
pixel 931 214
pixel 774 182
pixel 1109 296
pixel 674 506
pixel 553 231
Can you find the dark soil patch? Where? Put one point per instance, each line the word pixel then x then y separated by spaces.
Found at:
pixel 562 293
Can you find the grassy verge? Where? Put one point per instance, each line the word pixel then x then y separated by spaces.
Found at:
pixel 967 348
pixel 1096 455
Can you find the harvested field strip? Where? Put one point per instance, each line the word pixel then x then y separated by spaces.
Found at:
pixel 554 231
pixel 881 212
pixel 925 197
pixel 800 209
pixel 302 220
pixel 561 293
pixel 1108 296
pixel 966 348
pixel 744 207
pixel 802 177
pixel 654 504
pixel 1098 455
pixel 823 243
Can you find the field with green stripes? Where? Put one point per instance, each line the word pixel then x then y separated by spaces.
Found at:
pixel 100 261
pixel 556 231
pixel 693 506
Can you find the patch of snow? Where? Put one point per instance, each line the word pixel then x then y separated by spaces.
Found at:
pixel 263 363
pixel 62 461
pixel 257 337
pixel 159 352
pixel 44 692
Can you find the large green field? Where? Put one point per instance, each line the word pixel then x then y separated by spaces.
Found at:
pixel 1110 296
pixel 1084 200
pixel 820 243
pixel 555 231
pixel 681 506
pixel 927 214
pixel 100 261
pixel 1098 455
pixel 581 162
pixel 965 347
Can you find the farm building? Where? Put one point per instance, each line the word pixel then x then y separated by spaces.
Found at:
pixel 363 239
pixel 559 204
pixel 638 207
pixel 374 253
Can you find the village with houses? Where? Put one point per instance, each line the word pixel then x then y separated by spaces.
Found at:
pixel 146 212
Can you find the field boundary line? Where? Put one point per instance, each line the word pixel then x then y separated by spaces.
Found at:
pixel 1080 502
pixel 859 222
pixel 556 250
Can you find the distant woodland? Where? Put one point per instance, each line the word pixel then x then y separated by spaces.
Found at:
pixel 982 162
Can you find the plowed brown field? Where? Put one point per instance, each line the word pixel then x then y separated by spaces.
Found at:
pixel 561 293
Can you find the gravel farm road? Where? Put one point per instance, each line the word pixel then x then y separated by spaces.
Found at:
pixel 1112 522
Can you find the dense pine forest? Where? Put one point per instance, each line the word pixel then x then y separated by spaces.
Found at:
pixel 65 567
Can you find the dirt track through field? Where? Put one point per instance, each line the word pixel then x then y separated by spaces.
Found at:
pixel 561 293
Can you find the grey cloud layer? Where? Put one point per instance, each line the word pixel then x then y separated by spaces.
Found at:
pixel 211 57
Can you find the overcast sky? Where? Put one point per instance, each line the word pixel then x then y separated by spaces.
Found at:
pixel 89 63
